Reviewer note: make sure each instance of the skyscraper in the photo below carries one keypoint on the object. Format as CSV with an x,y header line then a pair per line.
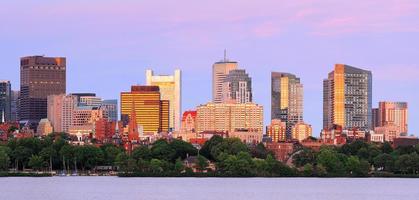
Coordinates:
x,y
111,109
237,87
39,77
347,97
151,113
170,89
219,72
286,99
5,101
14,106
393,113
60,111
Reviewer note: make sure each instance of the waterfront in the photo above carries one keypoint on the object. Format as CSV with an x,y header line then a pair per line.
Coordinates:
x,y
104,188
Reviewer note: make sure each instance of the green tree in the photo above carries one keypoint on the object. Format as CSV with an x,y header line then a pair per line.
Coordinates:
x,y
306,156
182,149
67,155
141,152
4,160
162,151
356,167
308,169
211,143
178,167
88,156
330,159
384,161
110,152
260,151
48,154
156,166
201,163
36,162
21,155
404,164
386,148
230,146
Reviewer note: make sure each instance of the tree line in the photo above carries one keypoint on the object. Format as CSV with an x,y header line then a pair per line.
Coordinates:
x,y
218,157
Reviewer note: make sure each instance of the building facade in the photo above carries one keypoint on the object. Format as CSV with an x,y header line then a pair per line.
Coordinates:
x,y
286,99
277,130
189,124
347,98
230,117
39,77
14,106
110,108
392,113
220,70
170,90
237,87
152,113
301,131
44,127
5,102
60,111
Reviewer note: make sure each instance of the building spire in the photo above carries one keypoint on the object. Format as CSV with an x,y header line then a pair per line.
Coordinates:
x,y
225,55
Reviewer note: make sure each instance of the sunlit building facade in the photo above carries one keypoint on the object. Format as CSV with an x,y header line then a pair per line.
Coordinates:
x,y
189,121
277,130
220,70
301,131
237,87
152,113
170,90
395,113
286,99
230,117
347,98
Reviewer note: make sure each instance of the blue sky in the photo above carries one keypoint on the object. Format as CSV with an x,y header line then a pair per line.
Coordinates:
x,y
109,44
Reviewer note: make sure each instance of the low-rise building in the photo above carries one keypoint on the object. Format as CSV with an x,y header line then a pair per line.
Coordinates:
x,y
301,131
44,127
282,150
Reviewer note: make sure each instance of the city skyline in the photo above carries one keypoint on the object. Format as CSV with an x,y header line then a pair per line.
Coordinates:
x,y
385,50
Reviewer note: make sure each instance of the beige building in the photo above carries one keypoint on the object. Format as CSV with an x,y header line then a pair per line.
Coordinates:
x,y
170,89
60,111
390,131
220,70
86,115
277,130
44,127
392,113
230,117
301,131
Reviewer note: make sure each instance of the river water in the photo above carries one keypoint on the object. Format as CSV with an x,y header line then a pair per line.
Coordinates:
x,y
114,188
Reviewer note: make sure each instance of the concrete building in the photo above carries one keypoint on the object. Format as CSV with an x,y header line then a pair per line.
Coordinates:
x,y
89,101
39,77
237,87
5,101
110,108
60,111
390,131
220,70
86,115
14,106
392,113
277,130
104,130
44,127
347,97
170,90
152,113
231,117
286,99
301,131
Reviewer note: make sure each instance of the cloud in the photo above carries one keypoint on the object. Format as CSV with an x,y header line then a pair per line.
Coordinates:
x,y
400,73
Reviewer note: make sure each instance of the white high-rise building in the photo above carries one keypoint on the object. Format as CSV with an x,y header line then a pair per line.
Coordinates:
x,y
170,89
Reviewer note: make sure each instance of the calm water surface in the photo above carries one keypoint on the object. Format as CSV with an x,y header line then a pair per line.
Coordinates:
x,y
107,188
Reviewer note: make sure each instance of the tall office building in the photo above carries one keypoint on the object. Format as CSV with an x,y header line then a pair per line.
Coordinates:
x,y
111,109
39,77
392,113
5,101
152,113
14,106
347,97
277,130
286,99
230,117
60,111
220,70
170,89
237,87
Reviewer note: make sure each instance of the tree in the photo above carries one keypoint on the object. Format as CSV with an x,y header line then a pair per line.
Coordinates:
x,y
67,155
156,166
384,161
141,152
182,149
386,148
178,167
201,163
21,155
356,167
4,160
88,156
308,169
162,151
110,152
36,162
260,151
47,154
404,164
306,156
207,147
330,159
230,146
